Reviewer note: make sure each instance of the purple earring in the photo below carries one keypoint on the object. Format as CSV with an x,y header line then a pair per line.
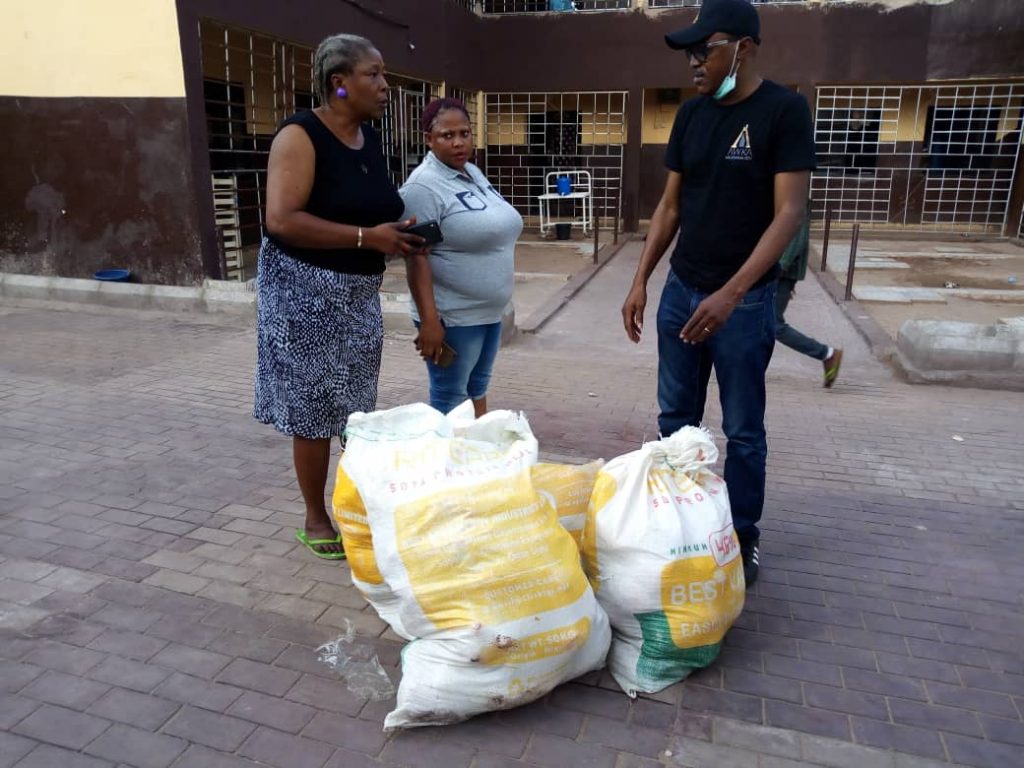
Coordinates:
x,y
342,93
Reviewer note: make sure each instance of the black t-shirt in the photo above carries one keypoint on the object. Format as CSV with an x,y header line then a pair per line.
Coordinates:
x,y
350,186
728,157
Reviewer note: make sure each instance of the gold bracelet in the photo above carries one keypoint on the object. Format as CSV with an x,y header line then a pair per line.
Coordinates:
x,y
359,237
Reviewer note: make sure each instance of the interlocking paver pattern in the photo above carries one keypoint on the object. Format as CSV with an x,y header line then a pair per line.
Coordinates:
x,y
155,609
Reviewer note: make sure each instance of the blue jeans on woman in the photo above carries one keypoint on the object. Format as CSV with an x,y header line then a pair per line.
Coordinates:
x,y
476,347
739,353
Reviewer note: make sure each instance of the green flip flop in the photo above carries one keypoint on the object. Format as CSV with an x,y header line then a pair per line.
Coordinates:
x,y
312,544
832,371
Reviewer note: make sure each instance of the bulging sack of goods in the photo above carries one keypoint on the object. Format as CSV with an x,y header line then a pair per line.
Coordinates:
x,y
567,487
663,558
350,515
473,564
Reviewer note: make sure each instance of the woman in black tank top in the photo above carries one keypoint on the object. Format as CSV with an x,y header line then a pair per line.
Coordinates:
x,y
331,218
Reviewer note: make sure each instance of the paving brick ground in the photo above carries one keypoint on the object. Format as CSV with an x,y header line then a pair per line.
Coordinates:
x,y
156,611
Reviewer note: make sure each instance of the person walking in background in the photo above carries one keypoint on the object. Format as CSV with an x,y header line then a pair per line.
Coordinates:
x,y
332,215
794,268
739,160
461,288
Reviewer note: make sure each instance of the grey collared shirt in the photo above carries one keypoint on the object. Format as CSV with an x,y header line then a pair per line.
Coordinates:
x,y
474,268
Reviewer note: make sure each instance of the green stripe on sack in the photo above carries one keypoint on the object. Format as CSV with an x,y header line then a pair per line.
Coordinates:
x,y
661,661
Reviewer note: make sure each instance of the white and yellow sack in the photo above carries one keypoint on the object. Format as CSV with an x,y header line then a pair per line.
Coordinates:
x,y
350,516
567,487
663,558
480,573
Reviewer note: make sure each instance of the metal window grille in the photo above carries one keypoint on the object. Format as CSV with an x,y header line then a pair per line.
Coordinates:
x,y
530,134
541,6
401,135
251,83
938,157
470,99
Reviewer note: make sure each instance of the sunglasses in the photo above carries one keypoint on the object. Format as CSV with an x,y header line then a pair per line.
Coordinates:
x,y
700,51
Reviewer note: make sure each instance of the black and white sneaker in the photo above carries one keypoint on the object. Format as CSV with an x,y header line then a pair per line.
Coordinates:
x,y
751,552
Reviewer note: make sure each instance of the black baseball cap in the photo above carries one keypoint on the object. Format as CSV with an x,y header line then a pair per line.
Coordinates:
x,y
730,17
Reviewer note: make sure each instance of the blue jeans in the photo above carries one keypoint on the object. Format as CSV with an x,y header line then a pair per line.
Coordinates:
x,y
476,347
739,352
787,334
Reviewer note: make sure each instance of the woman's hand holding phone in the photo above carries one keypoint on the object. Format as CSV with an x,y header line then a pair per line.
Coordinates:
x,y
430,231
393,238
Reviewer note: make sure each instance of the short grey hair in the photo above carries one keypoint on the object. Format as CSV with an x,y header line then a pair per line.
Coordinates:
x,y
337,55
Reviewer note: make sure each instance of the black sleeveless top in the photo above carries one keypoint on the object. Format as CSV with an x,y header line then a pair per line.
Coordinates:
x,y
350,186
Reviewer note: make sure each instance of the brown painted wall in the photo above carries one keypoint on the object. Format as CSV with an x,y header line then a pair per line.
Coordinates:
x,y
446,44
844,42
652,178
976,38
801,44
95,183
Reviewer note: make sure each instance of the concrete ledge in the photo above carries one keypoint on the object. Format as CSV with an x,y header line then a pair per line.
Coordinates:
x,y
229,296
211,296
878,339
962,354
224,296
395,307
898,295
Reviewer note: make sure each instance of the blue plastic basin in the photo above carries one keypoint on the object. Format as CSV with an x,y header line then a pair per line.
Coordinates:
x,y
113,275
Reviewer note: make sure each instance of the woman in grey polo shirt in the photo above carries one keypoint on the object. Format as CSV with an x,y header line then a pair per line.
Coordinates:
x,y
462,287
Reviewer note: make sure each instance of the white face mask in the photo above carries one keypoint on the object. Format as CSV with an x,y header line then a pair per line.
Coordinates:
x,y
729,83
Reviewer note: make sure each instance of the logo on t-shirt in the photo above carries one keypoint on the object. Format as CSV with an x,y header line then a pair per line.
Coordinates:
x,y
741,149
471,201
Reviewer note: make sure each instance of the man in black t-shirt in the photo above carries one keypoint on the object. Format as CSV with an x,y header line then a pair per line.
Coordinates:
x,y
739,161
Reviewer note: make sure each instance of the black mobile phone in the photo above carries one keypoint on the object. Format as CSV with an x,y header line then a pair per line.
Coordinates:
x,y
430,231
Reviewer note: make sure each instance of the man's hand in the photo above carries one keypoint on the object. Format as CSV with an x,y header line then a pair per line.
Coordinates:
x,y
711,315
633,312
429,339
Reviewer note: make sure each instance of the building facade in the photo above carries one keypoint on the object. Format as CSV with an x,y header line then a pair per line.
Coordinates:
x,y
137,133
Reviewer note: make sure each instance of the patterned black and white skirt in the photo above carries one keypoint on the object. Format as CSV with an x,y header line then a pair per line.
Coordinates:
x,y
319,339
